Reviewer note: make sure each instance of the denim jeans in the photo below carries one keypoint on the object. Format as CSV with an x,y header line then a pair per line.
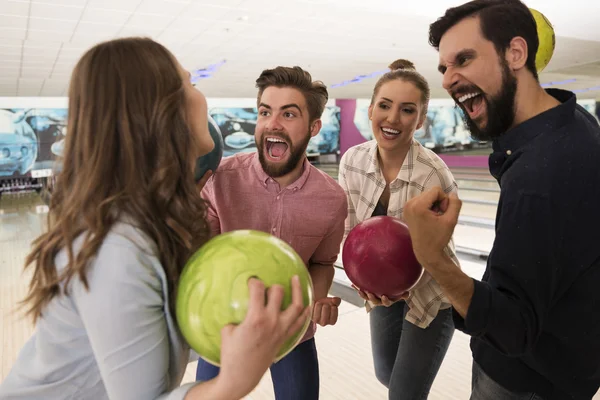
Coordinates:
x,y
407,358
295,377
485,388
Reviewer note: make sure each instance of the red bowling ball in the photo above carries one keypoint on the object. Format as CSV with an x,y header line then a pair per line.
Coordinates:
x,y
378,257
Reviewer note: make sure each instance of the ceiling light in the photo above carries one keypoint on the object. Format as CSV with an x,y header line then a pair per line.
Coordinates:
x,y
359,78
547,84
590,89
205,73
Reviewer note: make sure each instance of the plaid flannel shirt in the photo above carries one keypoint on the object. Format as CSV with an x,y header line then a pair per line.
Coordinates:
x,y
362,180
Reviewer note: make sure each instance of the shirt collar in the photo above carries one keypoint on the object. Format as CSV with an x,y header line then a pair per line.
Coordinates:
x,y
265,179
405,171
518,137
549,120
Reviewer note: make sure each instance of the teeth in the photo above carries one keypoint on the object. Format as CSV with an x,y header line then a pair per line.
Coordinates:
x,y
390,131
465,97
273,140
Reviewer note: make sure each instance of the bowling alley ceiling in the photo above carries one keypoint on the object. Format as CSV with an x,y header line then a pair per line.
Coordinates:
x,y
344,43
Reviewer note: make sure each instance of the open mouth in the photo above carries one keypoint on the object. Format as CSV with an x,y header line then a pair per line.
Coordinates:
x,y
473,103
276,148
389,133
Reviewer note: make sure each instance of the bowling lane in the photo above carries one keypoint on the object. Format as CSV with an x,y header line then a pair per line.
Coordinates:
x,y
470,194
470,238
480,185
22,218
486,211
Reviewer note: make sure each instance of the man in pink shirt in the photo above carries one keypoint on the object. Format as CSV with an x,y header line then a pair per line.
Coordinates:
x,y
277,190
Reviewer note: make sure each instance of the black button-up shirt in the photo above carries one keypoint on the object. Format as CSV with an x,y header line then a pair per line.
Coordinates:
x,y
535,316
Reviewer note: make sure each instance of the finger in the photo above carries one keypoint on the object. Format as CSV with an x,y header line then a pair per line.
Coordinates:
x,y
336,301
297,306
372,298
360,293
256,298
325,313
363,295
317,310
441,206
333,317
298,322
426,201
454,206
434,199
386,301
274,298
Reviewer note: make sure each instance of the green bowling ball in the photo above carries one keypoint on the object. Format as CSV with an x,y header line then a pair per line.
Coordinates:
x,y
213,287
546,38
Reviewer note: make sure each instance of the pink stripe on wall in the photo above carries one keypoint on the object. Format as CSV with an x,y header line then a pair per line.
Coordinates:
x,y
349,134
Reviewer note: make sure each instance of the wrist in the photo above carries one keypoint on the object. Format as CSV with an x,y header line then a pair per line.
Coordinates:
x,y
434,261
322,278
217,388
227,389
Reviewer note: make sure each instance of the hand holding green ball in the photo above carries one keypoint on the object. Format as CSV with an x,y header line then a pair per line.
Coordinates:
x,y
214,292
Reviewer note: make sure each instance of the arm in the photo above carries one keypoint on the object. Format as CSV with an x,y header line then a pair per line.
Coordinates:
x,y
322,277
455,284
208,194
123,316
321,263
507,310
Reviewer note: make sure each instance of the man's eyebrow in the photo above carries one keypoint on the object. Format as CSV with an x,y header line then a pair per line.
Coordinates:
x,y
461,54
292,105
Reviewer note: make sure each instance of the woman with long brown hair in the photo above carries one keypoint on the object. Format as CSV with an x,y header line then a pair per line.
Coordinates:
x,y
125,216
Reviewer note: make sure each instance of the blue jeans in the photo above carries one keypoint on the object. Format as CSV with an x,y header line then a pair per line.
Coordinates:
x,y
485,388
407,358
295,377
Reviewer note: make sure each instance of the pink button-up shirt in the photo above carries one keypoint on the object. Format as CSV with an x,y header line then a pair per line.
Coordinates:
x,y
308,214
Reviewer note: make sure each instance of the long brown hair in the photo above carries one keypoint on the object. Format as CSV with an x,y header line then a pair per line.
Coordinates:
x,y
128,152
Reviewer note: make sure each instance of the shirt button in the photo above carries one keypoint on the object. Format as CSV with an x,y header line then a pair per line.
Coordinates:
x,y
508,152
277,197
274,229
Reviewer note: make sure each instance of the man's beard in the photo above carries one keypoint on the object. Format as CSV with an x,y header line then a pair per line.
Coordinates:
x,y
296,153
500,109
